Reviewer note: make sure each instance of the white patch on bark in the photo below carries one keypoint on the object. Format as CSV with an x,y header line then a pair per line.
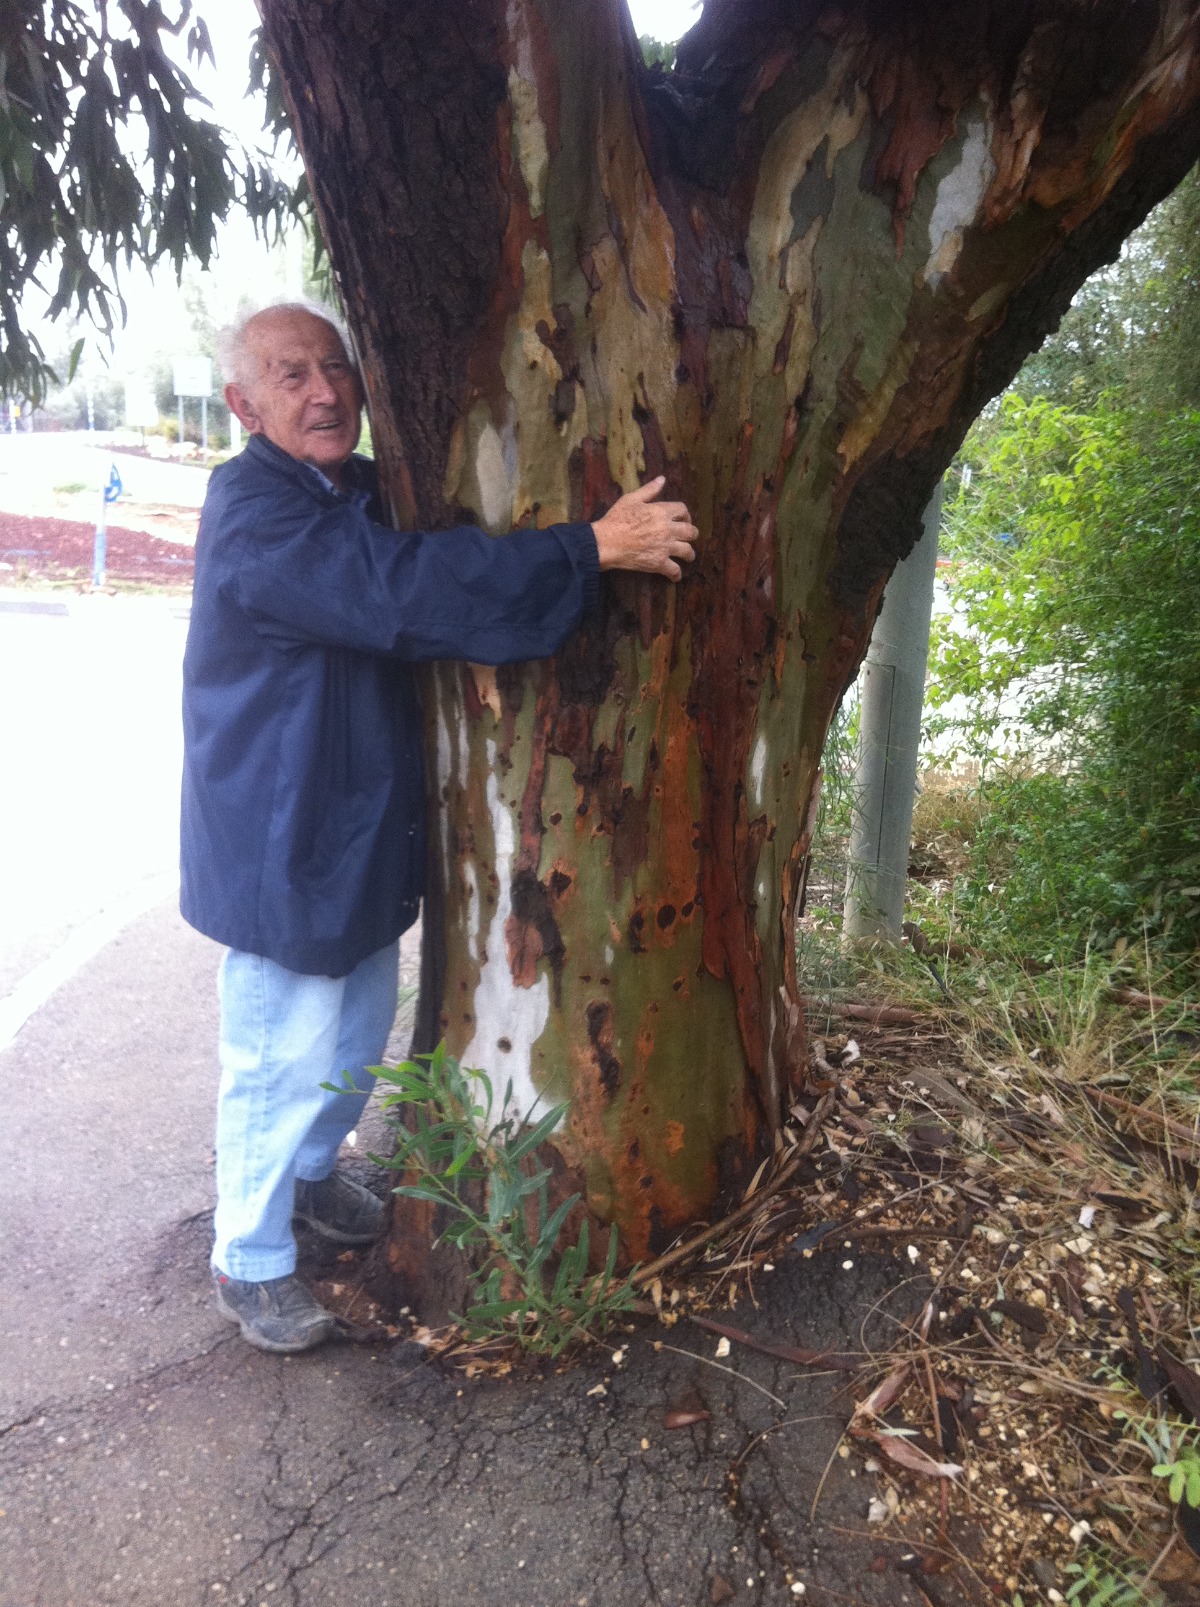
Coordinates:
x,y
491,473
472,910
445,751
758,769
529,137
464,751
445,769
956,205
502,1010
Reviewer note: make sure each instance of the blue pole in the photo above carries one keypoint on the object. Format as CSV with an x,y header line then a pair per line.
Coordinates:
x,y
111,491
100,548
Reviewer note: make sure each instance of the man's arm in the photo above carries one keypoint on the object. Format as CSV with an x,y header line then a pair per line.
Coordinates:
x,y
328,574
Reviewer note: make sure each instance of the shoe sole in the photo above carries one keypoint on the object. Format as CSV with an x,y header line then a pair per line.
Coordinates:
x,y
274,1346
336,1235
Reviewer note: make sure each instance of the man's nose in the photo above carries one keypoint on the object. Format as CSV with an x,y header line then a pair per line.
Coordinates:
x,y
321,389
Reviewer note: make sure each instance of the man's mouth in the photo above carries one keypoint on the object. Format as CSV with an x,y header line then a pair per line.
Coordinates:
x,y
329,424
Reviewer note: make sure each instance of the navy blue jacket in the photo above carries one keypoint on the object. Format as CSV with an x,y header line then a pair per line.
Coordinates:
x,y
303,829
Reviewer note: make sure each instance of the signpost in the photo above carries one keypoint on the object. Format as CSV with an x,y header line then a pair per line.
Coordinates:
x,y
111,491
193,377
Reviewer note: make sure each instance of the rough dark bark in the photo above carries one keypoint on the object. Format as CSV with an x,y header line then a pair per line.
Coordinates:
x,y
787,276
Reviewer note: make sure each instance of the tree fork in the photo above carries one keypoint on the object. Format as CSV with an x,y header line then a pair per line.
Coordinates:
x,y
787,276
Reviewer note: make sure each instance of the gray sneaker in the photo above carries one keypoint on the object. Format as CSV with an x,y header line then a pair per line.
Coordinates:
x,y
278,1314
339,1210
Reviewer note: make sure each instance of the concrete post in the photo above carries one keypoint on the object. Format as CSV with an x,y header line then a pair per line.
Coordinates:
x,y
893,691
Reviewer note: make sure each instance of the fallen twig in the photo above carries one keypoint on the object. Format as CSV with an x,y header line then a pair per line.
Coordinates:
x,y
876,1015
721,1368
1176,1129
792,1353
1137,1000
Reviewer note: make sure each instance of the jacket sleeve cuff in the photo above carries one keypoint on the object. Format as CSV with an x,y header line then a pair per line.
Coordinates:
x,y
580,540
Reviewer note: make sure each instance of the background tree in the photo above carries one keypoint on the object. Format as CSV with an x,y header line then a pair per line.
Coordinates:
x,y
1133,331
786,274
1070,672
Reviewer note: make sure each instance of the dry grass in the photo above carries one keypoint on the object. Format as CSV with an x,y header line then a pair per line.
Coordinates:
x,y
1033,1154
946,820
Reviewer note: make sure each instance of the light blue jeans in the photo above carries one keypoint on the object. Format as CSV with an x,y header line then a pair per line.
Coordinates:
x,y
282,1036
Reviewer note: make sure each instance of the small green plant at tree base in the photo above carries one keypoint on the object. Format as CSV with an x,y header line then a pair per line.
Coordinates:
x,y
495,1193
1184,1475
1178,1453
1176,1448
1097,1586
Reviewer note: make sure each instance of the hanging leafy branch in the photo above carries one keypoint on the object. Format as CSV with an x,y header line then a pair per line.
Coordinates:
x,y
107,157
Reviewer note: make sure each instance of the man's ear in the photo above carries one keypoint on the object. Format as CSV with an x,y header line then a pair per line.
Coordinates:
x,y
241,406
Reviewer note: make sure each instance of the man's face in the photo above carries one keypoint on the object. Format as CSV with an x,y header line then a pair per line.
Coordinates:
x,y
304,396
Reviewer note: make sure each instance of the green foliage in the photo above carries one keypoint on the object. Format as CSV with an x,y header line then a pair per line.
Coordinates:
x,y
1176,1448
1134,327
1184,1476
495,1193
1094,1585
656,53
106,156
1077,578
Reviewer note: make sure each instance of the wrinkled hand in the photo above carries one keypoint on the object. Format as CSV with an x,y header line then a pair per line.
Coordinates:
x,y
639,533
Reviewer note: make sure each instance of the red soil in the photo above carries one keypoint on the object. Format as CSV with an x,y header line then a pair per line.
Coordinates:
x,y
61,549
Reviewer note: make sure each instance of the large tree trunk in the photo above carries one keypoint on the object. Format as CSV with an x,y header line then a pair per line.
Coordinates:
x,y
788,276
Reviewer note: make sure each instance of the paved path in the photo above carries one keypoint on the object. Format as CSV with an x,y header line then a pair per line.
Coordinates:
x,y
90,749
58,474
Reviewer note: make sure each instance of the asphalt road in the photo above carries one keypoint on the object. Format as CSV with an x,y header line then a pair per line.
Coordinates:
x,y
90,748
148,1458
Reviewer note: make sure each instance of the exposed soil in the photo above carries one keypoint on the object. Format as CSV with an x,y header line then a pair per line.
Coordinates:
x,y
61,550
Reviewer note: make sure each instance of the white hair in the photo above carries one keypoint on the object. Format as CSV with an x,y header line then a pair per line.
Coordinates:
x,y
234,352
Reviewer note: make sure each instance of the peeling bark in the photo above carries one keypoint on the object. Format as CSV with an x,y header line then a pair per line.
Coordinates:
x,y
787,276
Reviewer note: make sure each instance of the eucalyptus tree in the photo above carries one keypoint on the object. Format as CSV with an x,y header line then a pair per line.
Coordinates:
x,y
786,273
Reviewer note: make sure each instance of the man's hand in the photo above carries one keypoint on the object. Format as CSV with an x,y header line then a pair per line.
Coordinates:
x,y
639,533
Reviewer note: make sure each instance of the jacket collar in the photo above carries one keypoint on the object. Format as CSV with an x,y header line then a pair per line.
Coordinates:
x,y
360,475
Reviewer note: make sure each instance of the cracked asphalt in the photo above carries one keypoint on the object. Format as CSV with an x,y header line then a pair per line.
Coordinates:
x,y
148,1458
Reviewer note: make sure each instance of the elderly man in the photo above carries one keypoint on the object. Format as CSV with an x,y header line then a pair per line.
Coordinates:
x,y
303,798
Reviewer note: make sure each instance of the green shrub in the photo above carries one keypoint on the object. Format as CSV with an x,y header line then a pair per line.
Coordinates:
x,y
1076,548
